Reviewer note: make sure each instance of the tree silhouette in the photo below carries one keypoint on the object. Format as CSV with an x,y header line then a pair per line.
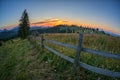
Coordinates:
x,y
24,26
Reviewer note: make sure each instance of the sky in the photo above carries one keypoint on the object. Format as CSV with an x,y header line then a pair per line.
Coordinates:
x,y
103,14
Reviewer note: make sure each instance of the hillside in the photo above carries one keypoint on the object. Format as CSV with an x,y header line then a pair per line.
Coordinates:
x,y
22,60
8,34
12,33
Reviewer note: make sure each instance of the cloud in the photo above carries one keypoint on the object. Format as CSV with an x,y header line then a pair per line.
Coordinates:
x,y
51,21
55,20
42,22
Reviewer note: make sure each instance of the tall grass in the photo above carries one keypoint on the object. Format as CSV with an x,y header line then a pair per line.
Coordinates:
x,y
13,62
25,60
93,41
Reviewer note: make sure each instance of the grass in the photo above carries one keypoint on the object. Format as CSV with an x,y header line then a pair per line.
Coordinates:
x,y
93,41
24,60
17,57
13,52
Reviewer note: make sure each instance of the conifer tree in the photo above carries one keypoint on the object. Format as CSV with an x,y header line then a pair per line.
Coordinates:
x,y
24,26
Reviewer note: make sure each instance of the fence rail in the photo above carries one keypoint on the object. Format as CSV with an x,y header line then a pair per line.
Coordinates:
x,y
90,51
76,61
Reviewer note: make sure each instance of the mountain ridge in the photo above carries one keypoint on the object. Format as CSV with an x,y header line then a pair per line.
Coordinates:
x,y
11,33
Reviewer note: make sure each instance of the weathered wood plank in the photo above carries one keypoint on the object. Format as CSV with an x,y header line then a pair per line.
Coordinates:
x,y
78,51
101,53
60,54
42,41
90,51
86,66
62,44
100,70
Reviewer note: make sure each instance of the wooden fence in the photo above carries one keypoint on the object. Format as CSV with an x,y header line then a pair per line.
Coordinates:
x,y
78,49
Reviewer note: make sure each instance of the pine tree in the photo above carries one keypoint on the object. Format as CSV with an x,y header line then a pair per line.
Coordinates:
x,y
24,26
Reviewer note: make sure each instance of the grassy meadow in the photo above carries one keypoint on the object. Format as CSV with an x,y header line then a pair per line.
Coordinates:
x,y
93,41
26,60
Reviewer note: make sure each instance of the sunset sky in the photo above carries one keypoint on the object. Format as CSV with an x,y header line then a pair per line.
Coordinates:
x,y
103,14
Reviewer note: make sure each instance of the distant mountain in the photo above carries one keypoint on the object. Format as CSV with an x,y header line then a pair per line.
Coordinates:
x,y
0,30
6,34
112,34
13,32
15,28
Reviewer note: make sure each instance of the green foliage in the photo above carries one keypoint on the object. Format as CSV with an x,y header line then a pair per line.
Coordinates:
x,y
70,29
24,26
24,60
92,41
12,59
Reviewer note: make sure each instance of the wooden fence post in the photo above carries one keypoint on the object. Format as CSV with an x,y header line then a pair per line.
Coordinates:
x,y
42,39
78,50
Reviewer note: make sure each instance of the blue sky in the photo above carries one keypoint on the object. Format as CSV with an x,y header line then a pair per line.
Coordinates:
x,y
105,13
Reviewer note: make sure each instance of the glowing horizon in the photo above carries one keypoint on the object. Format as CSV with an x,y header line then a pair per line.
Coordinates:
x,y
53,22
93,13
56,21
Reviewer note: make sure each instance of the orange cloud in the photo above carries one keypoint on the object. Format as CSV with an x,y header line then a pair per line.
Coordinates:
x,y
53,22
50,22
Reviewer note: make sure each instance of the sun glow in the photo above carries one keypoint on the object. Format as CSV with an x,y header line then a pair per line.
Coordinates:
x,y
53,22
56,21
50,22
